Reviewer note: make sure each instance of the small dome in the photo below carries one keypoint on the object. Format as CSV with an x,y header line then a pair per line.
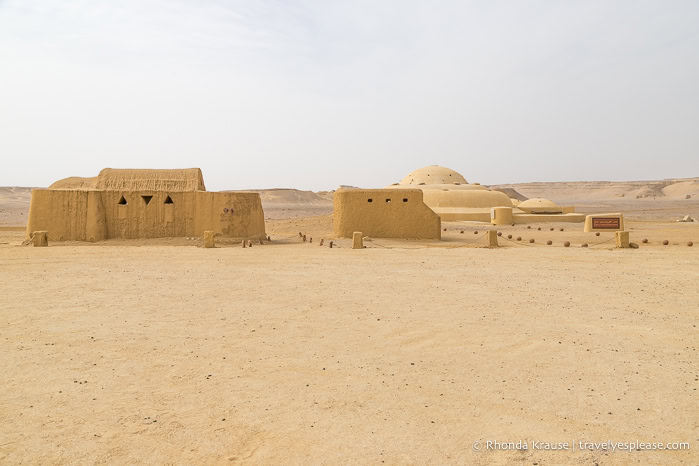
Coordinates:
x,y
434,174
539,205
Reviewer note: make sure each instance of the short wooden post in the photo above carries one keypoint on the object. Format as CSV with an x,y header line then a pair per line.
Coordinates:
x,y
622,239
40,239
357,241
492,238
209,239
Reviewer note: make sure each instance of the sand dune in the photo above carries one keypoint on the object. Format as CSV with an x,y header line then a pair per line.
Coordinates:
x,y
675,189
294,196
13,197
14,205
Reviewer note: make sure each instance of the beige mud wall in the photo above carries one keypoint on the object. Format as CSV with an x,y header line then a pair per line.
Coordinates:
x,y
384,213
67,215
234,215
97,215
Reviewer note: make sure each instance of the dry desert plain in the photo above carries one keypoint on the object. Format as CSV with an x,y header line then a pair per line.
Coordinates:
x,y
161,351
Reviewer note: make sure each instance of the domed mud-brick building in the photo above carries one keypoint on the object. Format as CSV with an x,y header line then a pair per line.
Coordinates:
x,y
453,198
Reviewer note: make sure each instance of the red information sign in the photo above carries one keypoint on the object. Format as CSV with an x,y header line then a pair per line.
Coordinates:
x,y
606,223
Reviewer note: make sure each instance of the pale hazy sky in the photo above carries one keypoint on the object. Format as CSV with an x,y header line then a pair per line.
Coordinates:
x,y
314,94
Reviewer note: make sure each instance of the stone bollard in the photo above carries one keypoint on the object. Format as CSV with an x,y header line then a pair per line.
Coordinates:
x,y
357,242
244,243
622,239
40,239
209,239
492,238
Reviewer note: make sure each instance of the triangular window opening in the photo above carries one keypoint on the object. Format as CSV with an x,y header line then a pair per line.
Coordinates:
x,y
147,199
122,201
168,200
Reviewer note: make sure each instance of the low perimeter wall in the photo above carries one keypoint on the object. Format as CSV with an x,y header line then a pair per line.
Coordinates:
x,y
384,213
79,215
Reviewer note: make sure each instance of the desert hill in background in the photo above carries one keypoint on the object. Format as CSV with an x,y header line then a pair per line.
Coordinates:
x,y
673,198
671,189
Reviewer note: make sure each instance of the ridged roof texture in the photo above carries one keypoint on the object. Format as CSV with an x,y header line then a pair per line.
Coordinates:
x,y
112,179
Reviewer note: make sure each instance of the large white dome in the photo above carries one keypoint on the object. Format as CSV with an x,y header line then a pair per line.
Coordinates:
x,y
434,174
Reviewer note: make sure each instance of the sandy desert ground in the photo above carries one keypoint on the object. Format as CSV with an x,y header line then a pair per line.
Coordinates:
x,y
161,351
